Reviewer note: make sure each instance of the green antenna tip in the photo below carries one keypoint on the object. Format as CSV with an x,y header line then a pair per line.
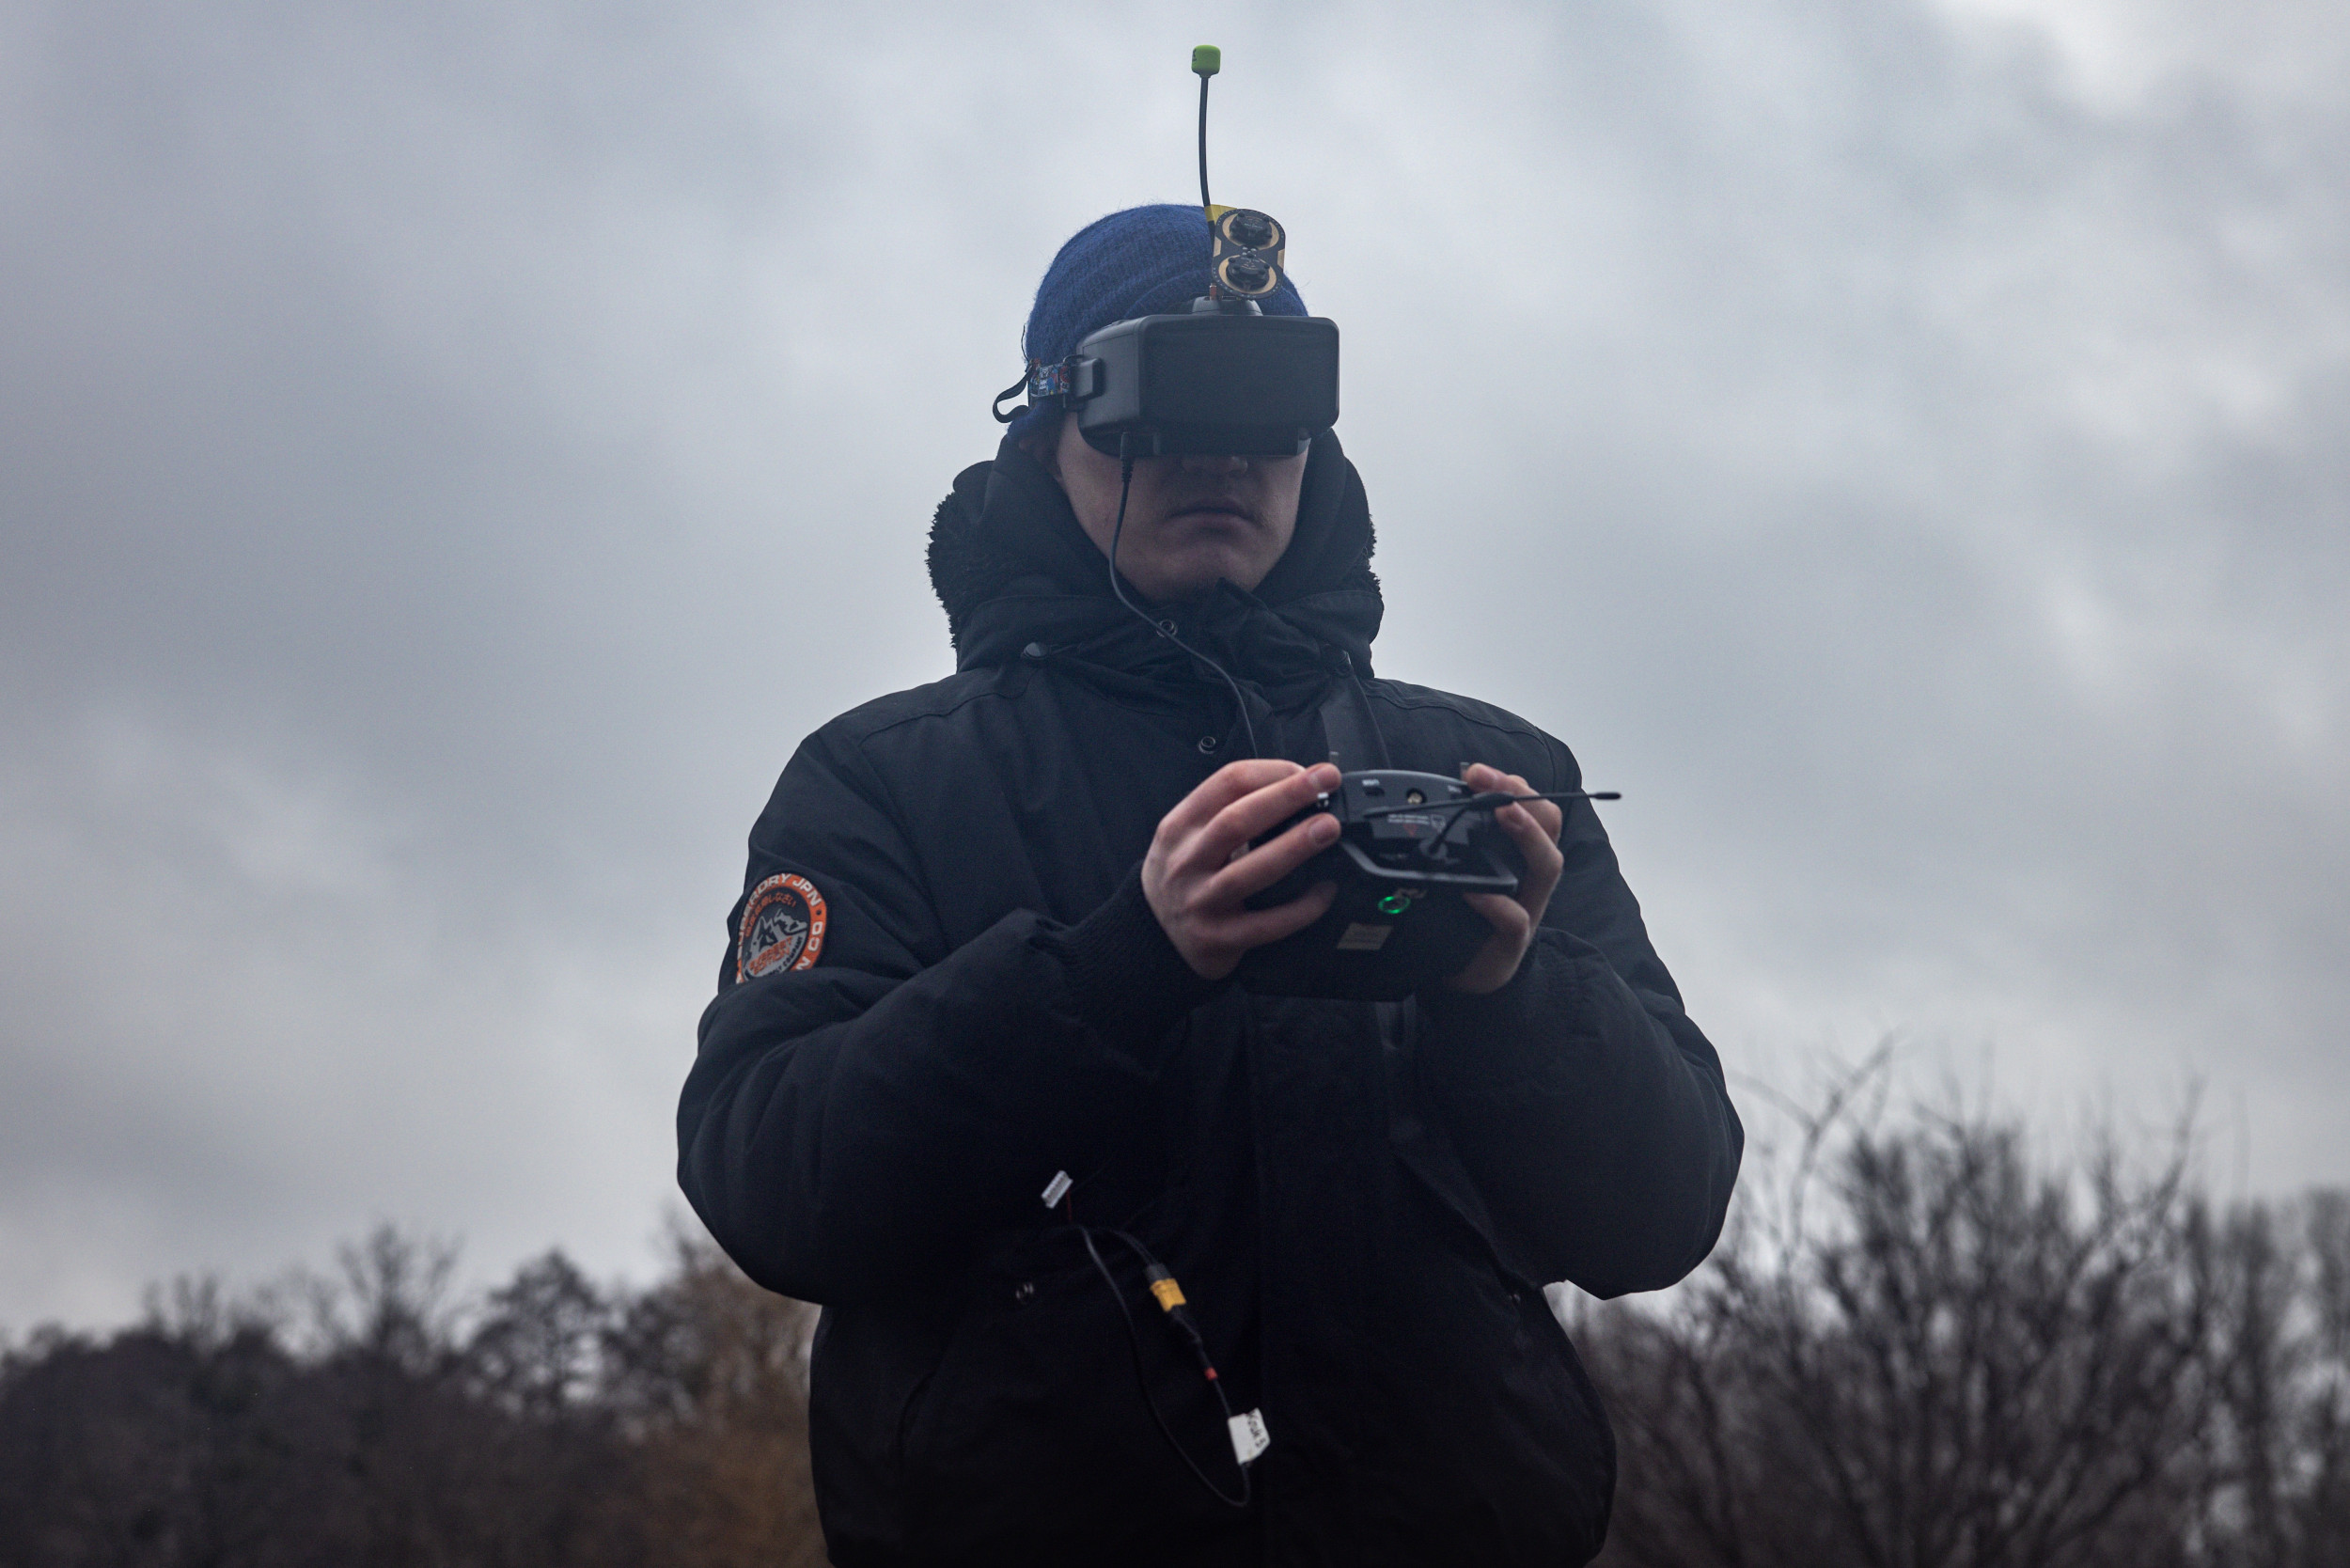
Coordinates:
x,y
1207,59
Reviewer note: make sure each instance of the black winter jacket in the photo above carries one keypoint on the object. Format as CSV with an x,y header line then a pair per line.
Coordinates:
x,y
948,987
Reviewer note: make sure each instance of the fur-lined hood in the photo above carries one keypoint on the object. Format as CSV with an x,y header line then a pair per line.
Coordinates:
x,y
1013,568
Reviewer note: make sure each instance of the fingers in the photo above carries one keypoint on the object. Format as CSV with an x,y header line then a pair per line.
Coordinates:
x,y
1498,959
1198,879
1539,846
1477,775
1268,863
1510,919
1238,821
1260,926
1228,784
1533,826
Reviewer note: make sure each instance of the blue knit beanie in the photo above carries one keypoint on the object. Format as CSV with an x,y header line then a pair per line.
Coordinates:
x,y
1143,262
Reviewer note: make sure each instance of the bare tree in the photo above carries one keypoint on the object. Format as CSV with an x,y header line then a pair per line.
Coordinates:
x,y
1965,1363
2279,1428
710,1375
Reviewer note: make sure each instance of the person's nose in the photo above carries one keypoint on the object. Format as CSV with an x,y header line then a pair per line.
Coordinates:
x,y
1215,462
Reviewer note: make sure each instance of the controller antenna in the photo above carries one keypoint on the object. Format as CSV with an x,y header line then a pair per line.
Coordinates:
x,y
1206,60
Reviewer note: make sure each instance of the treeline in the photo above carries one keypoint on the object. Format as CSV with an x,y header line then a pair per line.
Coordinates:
x,y
369,1419
1920,1348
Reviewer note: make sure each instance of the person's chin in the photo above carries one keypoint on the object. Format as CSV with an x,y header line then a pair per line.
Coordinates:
x,y
1230,543
1195,571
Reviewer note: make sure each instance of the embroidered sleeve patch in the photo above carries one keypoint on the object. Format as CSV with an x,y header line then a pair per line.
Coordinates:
x,y
783,927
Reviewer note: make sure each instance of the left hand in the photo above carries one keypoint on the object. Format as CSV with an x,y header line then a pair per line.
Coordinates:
x,y
1533,826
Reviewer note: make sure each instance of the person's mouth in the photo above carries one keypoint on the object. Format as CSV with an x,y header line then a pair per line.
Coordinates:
x,y
1219,506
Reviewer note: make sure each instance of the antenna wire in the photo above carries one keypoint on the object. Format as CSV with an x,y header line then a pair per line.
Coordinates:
x,y
1204,204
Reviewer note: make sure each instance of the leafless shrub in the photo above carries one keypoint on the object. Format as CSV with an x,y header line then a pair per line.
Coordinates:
x,y
1922,1350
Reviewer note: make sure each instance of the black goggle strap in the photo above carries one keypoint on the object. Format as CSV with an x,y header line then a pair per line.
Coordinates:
x,y
996,408
1040,382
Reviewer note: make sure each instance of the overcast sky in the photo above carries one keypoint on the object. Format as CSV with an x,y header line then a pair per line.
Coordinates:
x,y
450,455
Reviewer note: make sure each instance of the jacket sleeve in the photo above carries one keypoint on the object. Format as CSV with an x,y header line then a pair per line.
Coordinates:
x,y
861,1121
1590,1112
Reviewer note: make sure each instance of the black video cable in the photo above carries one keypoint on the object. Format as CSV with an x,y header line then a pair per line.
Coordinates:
x,y
1163,626
1169,1296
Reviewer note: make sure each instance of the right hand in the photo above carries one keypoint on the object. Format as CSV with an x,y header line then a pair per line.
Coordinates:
x,y
1198,879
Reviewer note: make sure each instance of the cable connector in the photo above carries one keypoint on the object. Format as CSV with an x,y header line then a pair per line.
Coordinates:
x,y
1163,1286
1246,1431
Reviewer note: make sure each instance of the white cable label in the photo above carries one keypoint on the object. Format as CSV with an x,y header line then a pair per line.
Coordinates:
x,y
1057,1188
1250,1437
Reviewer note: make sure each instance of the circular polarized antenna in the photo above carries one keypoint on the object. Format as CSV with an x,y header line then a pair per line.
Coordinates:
x,y
1250,230
1247,275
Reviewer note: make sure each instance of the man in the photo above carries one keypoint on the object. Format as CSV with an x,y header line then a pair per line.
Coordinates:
x,y
987,944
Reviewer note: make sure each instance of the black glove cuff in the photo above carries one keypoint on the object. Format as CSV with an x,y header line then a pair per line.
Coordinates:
x,y
1125,978
1511,1004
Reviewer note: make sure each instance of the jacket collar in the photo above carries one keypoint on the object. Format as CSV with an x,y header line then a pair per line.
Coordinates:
x,y
1012,567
